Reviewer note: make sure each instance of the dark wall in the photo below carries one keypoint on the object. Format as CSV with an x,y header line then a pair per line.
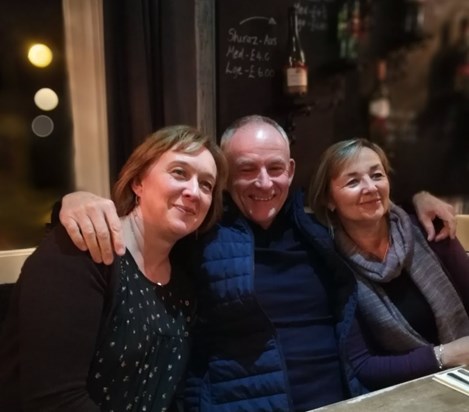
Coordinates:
x,y
251,50
428,134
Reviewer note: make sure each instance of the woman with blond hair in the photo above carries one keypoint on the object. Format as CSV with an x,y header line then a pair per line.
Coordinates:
x,y
413,297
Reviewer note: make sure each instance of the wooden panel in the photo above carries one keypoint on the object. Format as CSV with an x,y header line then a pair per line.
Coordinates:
x,y
462,230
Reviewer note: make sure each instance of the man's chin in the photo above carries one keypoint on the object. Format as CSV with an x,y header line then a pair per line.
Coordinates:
x,y
263,217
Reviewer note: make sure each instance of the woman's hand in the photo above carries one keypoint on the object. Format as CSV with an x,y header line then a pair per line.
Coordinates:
x,y
456,353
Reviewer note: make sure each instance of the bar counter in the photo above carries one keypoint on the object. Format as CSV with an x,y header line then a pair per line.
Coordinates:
x,y
419,395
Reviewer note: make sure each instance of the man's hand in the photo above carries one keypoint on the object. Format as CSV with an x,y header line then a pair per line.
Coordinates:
x,y
428,207
92,224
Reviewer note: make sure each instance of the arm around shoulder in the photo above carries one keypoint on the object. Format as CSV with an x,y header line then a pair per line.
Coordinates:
x,y
93,224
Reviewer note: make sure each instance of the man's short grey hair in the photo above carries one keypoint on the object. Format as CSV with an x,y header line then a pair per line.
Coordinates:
x,y
251,119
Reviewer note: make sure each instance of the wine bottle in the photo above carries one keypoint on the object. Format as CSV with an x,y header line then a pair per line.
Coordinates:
x,y
349,29
355,29
461,76
342,31
379,108
295,70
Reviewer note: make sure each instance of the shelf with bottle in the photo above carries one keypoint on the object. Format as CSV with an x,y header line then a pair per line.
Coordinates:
x,y
300,97
380,108
295,76
353,21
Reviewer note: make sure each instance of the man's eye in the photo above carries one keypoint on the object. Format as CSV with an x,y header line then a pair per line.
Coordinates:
x,y
246,169
276,170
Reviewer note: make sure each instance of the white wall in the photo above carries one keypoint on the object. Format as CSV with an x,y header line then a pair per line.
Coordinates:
x,y
11,262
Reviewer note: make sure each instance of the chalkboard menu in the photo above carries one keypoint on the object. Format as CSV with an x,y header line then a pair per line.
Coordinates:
x,y
251,42
314,16
249,59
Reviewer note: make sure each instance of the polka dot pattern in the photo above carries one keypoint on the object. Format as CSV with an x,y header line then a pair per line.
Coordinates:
x,y
145,348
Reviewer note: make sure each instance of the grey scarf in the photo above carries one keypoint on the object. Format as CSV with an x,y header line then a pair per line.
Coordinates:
x,y
408,251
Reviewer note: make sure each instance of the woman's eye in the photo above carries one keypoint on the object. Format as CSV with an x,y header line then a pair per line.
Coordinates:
x,y
179,172
206,186
352,183
377,175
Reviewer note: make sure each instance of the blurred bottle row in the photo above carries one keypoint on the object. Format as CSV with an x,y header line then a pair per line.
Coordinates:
x,y
380,102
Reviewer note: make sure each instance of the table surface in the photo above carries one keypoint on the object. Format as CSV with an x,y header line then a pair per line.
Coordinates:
x,y
423,394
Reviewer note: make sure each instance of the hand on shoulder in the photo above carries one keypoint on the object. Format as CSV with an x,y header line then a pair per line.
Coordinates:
x,y
93,224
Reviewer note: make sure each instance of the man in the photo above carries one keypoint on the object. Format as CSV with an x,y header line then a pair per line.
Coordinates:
x,y
276,303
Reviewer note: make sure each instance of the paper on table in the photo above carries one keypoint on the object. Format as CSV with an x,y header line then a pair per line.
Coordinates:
x,y
457,379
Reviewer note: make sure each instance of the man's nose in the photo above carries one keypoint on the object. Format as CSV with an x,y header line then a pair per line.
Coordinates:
x,y
263,180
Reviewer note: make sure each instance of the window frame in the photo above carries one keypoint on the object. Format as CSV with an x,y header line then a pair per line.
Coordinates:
x,y
83,28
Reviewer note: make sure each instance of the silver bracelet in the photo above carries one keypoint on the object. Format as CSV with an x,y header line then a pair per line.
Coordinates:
x,y
439,355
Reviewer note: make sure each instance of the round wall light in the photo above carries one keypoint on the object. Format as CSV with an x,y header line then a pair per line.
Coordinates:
x,y
46,99
42,126
40,55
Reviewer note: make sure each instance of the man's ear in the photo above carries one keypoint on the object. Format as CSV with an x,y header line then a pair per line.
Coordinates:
x,y
291,170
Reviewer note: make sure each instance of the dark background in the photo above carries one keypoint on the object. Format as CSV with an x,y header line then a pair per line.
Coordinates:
x,y
151,61
429,124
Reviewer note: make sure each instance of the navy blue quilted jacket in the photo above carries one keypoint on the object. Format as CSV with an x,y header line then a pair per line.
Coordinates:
x,y
237,364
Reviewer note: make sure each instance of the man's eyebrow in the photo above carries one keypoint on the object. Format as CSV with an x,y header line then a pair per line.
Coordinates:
x,y
240,161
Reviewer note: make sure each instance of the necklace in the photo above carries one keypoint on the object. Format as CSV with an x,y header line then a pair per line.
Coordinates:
x,y
133,221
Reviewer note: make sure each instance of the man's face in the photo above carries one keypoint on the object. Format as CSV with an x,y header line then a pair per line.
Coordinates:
x,y
261,171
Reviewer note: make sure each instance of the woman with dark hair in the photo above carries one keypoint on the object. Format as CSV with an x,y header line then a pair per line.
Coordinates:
x,y
82,336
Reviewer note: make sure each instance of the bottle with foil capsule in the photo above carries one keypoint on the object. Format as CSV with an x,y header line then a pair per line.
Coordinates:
x,y
295,72
379,107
